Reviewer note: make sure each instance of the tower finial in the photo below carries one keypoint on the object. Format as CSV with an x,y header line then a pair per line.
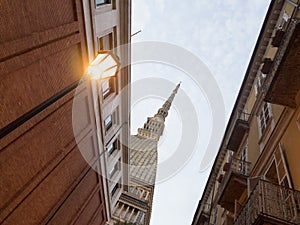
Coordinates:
x,y
154,126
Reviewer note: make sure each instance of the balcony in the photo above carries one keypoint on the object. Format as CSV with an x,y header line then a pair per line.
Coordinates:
x,y
270,204
234,183
241,127
283,80
205,214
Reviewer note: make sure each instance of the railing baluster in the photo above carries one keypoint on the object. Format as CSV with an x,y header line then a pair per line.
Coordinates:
x,y
272,200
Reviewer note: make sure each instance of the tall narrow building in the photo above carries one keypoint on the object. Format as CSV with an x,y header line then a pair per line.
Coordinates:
x,y
136,204
255,177
58,132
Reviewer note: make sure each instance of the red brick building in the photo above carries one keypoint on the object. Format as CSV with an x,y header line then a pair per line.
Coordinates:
x,y
45,47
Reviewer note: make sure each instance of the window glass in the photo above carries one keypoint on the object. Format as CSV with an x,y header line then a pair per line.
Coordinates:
x,y
108,122
114,190
114,170
106,88
264,117
106,42
112,147
101,2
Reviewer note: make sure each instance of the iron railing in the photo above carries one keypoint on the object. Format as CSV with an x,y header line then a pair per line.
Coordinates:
x,y
239,166
206,208
273,202
280,54
244,116
234,166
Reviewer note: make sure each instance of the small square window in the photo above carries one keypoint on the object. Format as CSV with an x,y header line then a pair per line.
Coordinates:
x,y
114,170
108,122
101,2
116,187
107,87
264,117
112,147
106,42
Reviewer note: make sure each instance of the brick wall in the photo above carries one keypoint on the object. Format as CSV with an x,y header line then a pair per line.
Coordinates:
x,y
43,176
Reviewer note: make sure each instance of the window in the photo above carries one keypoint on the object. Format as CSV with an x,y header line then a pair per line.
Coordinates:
x,y
101,2
278,171
243,162
112,119
108,122
106,42
259,82
116,187
264,117
114,170
107,87
112,147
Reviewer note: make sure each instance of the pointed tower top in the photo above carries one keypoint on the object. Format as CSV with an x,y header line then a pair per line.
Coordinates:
x,y
154,126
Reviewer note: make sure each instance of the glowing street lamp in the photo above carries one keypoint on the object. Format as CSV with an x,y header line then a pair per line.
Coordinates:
x,y
105,65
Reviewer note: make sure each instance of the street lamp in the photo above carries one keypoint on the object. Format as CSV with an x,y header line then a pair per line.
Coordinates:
x,y
105,65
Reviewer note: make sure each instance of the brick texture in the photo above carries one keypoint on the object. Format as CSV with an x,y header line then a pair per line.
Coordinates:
x,y
43,176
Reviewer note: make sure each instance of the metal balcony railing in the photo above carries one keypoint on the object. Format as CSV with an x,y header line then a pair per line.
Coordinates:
x,y
206,208
272,202
240,128
267,88
244,116
236,166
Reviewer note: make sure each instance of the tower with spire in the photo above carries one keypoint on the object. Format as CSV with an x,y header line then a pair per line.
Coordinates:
x,y
136,204
154,127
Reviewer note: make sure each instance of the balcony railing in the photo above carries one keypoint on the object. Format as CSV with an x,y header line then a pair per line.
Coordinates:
x,y
237,166
278,88
233,183
271,203
244,116
240,128
205,214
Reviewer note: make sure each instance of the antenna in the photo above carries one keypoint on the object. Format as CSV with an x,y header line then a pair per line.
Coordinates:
x,y
136,33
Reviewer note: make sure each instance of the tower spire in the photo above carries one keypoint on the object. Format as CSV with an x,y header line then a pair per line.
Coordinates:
x,y
154,126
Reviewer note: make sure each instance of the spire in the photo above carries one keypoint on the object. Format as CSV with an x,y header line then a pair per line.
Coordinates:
x,y
154,126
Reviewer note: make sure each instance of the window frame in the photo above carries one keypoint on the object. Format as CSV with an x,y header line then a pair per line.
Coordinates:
x,y
105,2
264,117
114,146
244,158
111,87
102,41
108,125
115,188
259,82
114,170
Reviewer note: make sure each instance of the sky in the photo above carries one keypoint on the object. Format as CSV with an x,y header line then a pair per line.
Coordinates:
x,y
222,35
